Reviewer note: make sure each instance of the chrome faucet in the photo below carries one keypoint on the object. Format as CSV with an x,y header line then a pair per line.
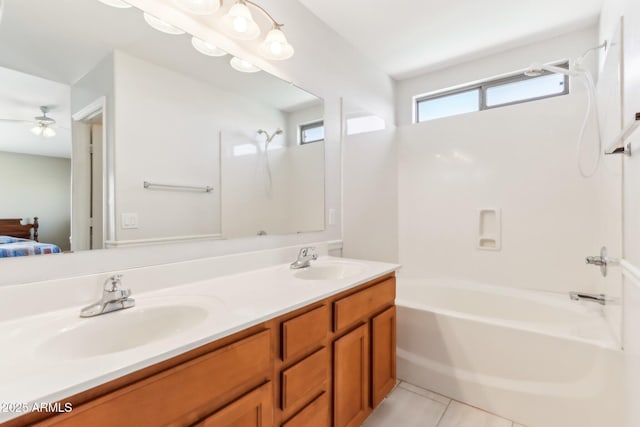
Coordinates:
x,y
603,261
305,256
599,298
113,298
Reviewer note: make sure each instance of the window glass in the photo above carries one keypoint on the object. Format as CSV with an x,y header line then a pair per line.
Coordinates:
x,y
312,132
448,105
521,90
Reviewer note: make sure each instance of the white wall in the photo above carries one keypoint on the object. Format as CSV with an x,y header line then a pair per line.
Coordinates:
x,y
168,132
40,187
520,159
611,12
325,65
370,168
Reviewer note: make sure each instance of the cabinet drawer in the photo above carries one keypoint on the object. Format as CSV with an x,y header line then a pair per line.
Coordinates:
x,y
348,310
183,394
305,379
305,332
315,414
255,409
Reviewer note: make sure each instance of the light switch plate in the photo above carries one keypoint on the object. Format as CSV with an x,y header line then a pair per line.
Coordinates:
x,y
129,221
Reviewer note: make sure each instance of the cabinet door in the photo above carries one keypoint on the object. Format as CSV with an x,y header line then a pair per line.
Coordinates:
x,y
383,355
351,378
254,409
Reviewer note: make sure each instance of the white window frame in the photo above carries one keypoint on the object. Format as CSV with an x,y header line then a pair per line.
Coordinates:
x,y
483,86
309,125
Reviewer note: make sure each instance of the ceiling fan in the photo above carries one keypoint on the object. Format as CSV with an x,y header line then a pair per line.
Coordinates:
x,y
42,125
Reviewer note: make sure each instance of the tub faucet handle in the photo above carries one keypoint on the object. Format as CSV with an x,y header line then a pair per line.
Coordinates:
x,y
603,261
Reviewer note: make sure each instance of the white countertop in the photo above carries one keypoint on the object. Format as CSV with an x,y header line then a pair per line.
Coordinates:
x,y
31,373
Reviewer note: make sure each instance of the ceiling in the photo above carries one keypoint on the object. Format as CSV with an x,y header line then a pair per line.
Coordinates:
x,y
62,40
21,96
408,37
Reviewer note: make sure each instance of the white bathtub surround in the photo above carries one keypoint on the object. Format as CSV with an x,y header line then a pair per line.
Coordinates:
x,y
511,352
41,368
632,341
520,159
411,406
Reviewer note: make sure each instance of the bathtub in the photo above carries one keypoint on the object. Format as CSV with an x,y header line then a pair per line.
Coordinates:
x,y
534,357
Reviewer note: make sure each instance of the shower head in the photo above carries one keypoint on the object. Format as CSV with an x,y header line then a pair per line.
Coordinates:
x,y
269,137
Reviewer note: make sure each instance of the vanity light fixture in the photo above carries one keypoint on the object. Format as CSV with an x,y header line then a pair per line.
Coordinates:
x,y
238,22
243,65
162,26
199,7
206,48
116,3
275,45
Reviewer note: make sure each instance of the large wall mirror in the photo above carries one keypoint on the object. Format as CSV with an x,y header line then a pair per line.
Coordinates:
x,y
114,134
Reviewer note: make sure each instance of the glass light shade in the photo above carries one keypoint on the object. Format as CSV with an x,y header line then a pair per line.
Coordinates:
x,y
243,66
239,23
116,3
37,130
206,48
48,132
162,26
275,46
199,7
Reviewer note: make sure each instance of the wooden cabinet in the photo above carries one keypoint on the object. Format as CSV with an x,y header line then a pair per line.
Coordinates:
x,y
383,355
255,409
183,394
326,364
364,369
351,378
316,414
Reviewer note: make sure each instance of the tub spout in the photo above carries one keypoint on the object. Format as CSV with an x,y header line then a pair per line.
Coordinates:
x,y
599,298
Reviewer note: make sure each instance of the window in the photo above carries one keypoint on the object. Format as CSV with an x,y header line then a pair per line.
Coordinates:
x,y
312,132
491,94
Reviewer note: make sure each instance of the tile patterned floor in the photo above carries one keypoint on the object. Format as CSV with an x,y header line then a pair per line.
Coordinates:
x,y
411,406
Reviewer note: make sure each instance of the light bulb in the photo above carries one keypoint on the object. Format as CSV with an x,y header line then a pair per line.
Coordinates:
x,y
239,23
116,3
48,132
275,45
199,7
162,26
37,130
206,48
243,65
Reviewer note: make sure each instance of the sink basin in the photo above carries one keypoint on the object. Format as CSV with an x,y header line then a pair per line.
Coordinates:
x,y
333,270
121,330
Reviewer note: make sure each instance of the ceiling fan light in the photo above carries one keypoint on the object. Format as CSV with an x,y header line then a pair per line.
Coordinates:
x,y
239,23
48,132
37,129
162,26
116,3
243,65
199,7
207,48
275,46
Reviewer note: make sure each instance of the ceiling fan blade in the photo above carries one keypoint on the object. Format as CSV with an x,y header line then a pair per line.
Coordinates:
x,y
28,122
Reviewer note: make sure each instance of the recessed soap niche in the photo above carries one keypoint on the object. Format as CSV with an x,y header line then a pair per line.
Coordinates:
x,y
489,229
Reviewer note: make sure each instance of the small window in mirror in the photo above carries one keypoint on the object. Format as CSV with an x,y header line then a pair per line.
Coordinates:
x,y
312,132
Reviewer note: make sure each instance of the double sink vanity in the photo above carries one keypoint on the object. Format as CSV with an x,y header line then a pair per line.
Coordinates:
x,y
275,346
